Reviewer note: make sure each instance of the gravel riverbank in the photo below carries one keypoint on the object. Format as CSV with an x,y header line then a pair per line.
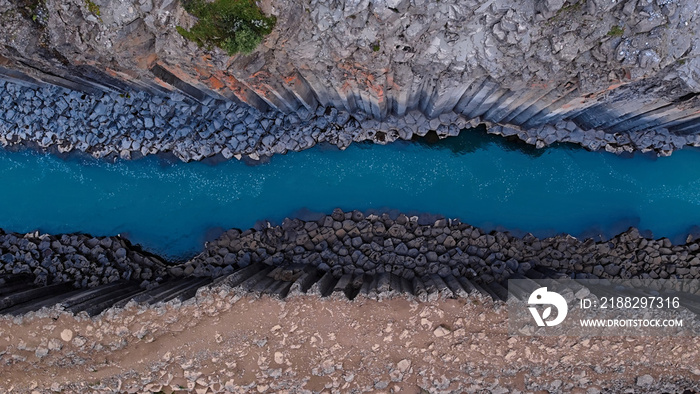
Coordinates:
x,y
220,342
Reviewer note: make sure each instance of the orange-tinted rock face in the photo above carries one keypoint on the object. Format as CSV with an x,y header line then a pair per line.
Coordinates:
x,y
508,63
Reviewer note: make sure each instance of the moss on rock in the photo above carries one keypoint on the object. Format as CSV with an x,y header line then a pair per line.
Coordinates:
x,y
232,25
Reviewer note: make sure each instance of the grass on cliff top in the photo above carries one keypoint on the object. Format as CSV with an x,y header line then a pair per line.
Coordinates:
x,y
232,25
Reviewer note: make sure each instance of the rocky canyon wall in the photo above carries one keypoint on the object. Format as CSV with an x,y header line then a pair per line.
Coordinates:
x,y
614,75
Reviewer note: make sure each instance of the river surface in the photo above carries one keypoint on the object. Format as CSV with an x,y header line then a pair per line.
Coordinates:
x,y
171,208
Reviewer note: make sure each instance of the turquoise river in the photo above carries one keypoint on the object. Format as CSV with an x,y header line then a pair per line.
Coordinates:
x,y
171,208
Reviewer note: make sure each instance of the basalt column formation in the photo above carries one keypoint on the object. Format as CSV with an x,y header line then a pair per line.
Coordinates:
x,y
619,76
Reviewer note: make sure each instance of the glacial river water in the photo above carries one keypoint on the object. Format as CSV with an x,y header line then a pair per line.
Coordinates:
x,y
170,208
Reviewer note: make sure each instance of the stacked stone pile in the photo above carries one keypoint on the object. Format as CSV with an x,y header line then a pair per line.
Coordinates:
x,y
658,140
138,124
80,259
350,242
353,243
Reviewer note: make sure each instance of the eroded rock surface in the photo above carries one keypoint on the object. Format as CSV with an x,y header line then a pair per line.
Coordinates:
x,y
614,75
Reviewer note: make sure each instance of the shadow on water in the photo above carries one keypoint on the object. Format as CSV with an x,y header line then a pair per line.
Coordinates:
x,y
468,141
477,138
474,139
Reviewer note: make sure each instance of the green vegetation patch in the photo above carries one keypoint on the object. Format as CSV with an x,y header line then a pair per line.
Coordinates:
x,y
92,7
232,25
616,31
